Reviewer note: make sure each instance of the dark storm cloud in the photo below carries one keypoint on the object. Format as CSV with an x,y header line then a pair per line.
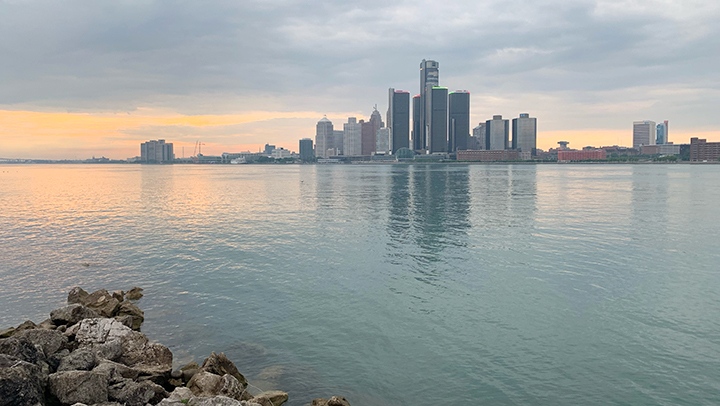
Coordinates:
x,y
200,57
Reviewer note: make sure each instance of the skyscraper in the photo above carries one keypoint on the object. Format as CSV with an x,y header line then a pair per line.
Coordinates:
x,y
339,137
497,133
156,151
643,133
306,150
383,141
662,133
524,134
324,138
429,78
438,119
417,130
352,137
479,135
458,120
399,119
369,132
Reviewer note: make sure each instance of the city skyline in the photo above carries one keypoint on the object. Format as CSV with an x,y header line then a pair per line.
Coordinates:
x,y
114,75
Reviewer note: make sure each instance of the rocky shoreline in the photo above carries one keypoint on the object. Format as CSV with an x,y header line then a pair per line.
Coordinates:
x,y
91,352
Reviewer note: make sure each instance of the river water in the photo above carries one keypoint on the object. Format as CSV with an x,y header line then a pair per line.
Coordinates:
x,y
393,284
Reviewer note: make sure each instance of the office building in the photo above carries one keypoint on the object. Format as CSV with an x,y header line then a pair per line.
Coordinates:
x,y
701,150
306,150
324,138
156,152
352,137
661,133
497,133
339,137
643,133
524,134
417,130
587,154
438,120
382,145
398,119
268,150
488,156
429,78
458,120
479,135
369,132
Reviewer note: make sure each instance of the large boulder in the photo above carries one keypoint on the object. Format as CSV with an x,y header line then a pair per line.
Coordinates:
x,y
77,295
50,341
208,384
7,332
134,294
102,302
217,401
99,331
26,325
270,398
22,349
72,387
71,314
136,315
131,393
147,357
21,383
115,372
82,359
333,401
219,364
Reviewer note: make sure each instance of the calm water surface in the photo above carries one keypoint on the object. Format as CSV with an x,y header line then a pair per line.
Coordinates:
x,y
413,285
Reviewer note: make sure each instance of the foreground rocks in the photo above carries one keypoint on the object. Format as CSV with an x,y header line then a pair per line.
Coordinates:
x,y
91,352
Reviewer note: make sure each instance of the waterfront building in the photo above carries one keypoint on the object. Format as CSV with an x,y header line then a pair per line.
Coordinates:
x,y
661,133
524,138
643,133
474,142
369,132
438,120
497,133
660,149
339,137
479,135
156,152
701,150
587,154
268,149
458,120
429,78
352,137
488,156
417,130
382,145
398,119
306,150
324,138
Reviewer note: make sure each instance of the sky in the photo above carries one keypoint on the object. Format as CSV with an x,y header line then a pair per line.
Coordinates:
x,y
93,78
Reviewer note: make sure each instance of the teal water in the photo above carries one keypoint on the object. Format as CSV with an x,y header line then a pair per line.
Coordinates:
x,y
394,284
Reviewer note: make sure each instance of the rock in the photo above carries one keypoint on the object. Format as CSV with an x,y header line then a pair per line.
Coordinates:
x,y
26,325
8,332
21,383
79,387
72,314
125,320
205,384
137,316
50,341
131,393
180,394
214,401
270,398
189,370
231,387
55,359
147,357
115,372
103,303
175,382
82,359
134,293
99,331
21,348
333,401
77,295
47,325
176,374
119,295
219,364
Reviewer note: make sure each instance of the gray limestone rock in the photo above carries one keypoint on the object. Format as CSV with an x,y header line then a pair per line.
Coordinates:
x,y
136,315
99,331
270,398
47,325
55,359
219,364
72,314
131,393
7,332
115,372
79,386
103,303
77,295
119,295
134,293
50,341
145,356
21,348
82,359
26,325
205,384
215,401
21,383
333,401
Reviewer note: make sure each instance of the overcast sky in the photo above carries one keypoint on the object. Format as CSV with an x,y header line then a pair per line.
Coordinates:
x,y
81,78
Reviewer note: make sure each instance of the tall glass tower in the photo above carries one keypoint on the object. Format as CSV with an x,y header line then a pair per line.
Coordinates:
x,y
429,78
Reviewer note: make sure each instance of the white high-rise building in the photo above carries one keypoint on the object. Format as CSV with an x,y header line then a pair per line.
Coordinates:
x,y
497,133
643,133
524,130
352,137
324,139
382,145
